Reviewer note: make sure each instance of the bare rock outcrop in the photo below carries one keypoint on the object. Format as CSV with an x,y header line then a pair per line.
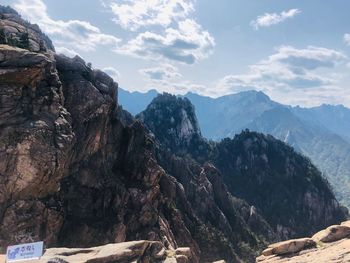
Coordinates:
x,y
76,171
289,246
17,32
126,252
133,251
338,251
36,139
332,233
329,245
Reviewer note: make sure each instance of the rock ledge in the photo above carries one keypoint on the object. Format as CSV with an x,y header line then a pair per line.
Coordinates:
x,y
329,245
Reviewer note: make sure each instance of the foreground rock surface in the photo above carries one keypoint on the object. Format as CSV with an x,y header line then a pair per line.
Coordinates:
x,y
289,246
329,245
332,252
332,233
77,171
134,251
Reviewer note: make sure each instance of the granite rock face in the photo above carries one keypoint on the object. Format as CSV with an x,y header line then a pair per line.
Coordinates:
x,y
332,233
78,171
289,246
71,173
36,139
17,32
74,174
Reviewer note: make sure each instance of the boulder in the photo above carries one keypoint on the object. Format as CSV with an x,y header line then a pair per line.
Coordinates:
x,y
143,251
289,246
332,233
329,252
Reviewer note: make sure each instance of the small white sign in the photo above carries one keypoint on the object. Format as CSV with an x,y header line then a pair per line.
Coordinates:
x,y
24,252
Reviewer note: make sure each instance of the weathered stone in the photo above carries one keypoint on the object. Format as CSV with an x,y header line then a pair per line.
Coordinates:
x,y
73,173
289,246
120,252
35,143
332,233
338,251
268,251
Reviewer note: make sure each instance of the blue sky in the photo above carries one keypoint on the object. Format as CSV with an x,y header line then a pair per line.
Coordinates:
x,y
295,51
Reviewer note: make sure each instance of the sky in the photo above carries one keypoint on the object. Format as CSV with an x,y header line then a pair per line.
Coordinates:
x,y
296,51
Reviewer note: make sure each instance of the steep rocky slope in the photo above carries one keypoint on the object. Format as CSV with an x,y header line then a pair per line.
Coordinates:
x,y
283,186
71,173
78,171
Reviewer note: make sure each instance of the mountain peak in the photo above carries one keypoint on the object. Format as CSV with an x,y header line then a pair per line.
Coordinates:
x,y
172,118
256,95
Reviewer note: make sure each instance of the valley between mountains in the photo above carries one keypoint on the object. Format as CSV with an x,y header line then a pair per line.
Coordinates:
x,y
320,133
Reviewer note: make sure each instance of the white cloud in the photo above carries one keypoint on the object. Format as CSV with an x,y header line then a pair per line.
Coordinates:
x,y
288,69
164,30
112,72
290,75
347,39
166,78
71,35
133,14
164,72
187,44
269,19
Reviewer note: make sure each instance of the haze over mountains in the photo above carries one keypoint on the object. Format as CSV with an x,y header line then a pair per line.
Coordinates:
x,y
321,133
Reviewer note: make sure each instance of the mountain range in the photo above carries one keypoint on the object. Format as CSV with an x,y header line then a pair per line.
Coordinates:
x,y
78,171
321,133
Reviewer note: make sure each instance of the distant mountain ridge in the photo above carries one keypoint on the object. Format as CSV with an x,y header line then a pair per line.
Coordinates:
x,y
335,117
270,175
79,171
135,102
321,133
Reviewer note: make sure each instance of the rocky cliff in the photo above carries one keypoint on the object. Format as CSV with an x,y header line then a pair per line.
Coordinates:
x,y
78,171
71,173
